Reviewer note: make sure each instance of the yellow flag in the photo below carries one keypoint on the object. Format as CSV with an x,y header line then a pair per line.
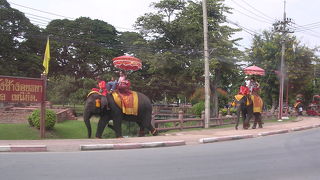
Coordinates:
x,y
46,58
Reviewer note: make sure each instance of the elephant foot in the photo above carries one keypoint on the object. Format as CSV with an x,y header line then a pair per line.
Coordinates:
x,y
254,126
141,134
260,126
155,132
236,127
246,127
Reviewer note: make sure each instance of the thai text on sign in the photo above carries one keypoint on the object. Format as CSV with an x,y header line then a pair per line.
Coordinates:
x,y
14,89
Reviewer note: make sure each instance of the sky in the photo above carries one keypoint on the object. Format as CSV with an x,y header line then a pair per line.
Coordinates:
x,y
253,15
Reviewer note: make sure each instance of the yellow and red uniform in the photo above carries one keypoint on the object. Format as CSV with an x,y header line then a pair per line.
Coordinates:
x,y
101,88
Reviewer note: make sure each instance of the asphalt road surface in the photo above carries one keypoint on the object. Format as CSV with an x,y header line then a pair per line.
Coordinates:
x,y
287,157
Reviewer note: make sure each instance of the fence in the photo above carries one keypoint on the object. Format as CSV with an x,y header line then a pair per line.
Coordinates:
x,y
182,121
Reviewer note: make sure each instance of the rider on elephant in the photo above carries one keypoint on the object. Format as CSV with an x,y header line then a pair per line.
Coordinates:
x,y
101,87
122,82
253,85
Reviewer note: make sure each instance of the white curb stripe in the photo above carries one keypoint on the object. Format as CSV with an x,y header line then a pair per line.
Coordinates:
x,y
96,147
5,149
131,145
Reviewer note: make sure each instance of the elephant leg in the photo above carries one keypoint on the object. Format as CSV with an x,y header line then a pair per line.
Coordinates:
x,y
147,124
244,120
249,116
237,123
117,126
255,121
260,120
101,125
238,119
86,118
141,129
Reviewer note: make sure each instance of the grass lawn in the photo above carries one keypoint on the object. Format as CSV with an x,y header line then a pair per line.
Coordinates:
x,y
66,130
75,129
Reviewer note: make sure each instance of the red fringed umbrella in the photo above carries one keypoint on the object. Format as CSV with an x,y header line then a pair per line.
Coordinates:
x,y
127,63
254,70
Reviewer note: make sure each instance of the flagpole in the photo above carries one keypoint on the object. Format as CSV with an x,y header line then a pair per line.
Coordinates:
x,y
45,64
43,107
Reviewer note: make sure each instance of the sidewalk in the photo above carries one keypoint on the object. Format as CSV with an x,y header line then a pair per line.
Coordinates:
x,y
163,140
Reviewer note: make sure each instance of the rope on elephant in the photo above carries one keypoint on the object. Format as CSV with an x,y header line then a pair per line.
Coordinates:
x,y
93,92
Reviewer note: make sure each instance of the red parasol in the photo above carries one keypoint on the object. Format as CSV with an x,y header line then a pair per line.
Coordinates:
x,y
127,63
254,70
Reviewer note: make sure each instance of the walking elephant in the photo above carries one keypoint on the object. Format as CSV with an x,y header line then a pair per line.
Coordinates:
x,y
248,106
109,110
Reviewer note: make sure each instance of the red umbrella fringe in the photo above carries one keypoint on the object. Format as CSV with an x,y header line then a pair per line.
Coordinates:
x,y
254,70
127,63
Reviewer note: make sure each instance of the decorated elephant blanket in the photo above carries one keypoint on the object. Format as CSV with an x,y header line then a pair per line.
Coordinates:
x,y
257,103
256,100
238,97
128,102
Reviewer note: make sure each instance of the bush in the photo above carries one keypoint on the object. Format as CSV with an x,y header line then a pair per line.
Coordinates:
x,y
233,110
50,120
224,111
198,108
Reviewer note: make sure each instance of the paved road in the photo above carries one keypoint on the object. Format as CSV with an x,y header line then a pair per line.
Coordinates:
x,y
293,156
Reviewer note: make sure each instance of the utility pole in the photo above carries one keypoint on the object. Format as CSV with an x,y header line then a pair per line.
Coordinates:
x,y
206,66
282,27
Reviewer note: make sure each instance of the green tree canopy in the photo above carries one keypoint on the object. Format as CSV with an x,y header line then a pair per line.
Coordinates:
x,y
83,47
265,52
19,45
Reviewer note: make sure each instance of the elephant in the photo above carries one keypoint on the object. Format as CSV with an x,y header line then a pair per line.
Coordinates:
x,y
245,107
109,110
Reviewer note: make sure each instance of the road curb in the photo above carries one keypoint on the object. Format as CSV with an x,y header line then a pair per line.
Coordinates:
x,y
316,125
274,132
302,128
225,138
24,148
92,147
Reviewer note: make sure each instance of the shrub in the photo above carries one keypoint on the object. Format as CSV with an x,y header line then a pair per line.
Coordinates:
x,y
50,120
233,110
224,111
30,117
198,108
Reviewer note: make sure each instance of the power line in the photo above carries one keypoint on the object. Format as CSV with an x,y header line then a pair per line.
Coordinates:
x,y
249,31
123,28
41,11
270,18
265,20
42,17
310,31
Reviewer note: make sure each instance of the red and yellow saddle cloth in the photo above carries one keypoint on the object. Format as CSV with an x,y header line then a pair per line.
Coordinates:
x,y
256,100
238,97
257,103
128,102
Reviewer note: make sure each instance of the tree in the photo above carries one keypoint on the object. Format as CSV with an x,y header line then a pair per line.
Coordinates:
x,y
265,52
83,47
176,37
19,45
